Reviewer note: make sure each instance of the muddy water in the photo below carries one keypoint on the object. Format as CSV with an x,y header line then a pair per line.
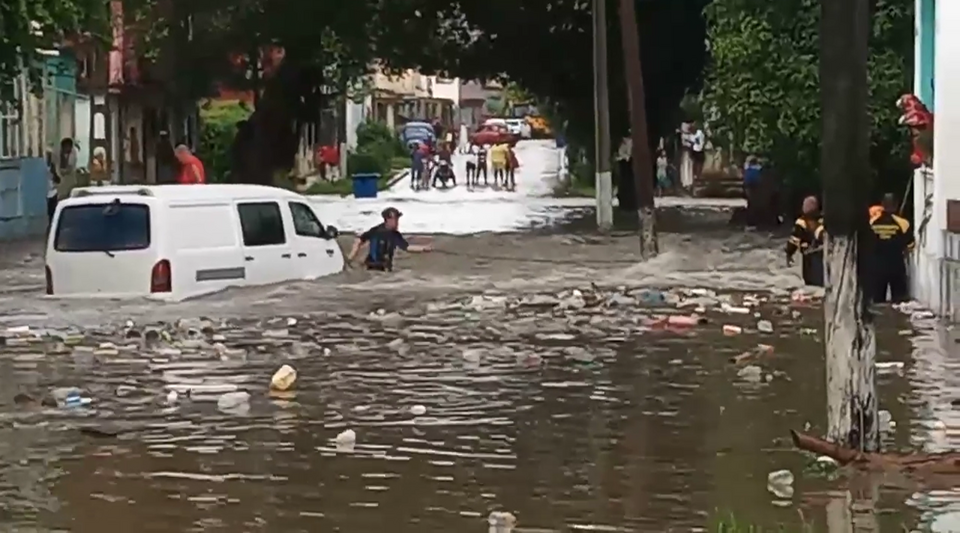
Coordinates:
x,y
570,418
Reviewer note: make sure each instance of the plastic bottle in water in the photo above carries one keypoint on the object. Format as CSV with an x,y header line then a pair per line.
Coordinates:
x,y
75,400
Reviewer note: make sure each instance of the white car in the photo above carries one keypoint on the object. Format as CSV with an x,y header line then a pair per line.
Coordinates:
x,y
515,126
178,241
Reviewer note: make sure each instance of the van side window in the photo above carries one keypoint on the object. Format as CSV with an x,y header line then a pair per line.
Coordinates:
x,y
261,223
305,223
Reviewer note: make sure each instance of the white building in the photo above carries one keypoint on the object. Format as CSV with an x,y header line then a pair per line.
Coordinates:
x,y
409,96
936,277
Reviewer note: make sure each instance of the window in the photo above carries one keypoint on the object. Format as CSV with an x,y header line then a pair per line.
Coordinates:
x,y
305,223
262,224
109,227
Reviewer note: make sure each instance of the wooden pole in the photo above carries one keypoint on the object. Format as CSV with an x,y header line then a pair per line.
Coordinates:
x,y
845,170
601,94
642,161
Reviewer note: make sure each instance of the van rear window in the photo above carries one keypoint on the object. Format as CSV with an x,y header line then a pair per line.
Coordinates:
x,y
109,227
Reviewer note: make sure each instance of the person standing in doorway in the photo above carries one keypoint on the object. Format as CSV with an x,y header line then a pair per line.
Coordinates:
x,y
191,168
698,143
52,193
66,168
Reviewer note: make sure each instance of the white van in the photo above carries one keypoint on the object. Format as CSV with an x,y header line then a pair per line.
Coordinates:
x,y
178,241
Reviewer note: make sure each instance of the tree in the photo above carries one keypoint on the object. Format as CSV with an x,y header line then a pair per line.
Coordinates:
x,y
328,44
33,26
762,87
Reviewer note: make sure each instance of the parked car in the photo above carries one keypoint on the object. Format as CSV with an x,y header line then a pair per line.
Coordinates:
x,y
492,134
515,125
417,132
177,241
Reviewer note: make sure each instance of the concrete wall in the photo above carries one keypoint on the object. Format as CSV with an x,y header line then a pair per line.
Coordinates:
x,y
936,282
23,198
925,50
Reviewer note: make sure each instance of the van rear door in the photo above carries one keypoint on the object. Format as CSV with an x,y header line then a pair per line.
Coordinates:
x,y
103,248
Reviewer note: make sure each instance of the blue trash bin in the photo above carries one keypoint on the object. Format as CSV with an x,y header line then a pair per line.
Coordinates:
x,y
365,185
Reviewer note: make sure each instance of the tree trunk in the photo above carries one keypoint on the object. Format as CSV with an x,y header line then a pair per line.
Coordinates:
x,y
643,165
267,142
849,340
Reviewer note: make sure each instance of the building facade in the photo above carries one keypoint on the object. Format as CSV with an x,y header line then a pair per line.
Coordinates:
x,y
936,275
29,131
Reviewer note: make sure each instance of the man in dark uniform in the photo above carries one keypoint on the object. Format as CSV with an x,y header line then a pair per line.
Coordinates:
x,y
807,238
383,240
894,240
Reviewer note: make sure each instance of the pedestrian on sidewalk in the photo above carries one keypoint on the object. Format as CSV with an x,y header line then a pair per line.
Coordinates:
x,y
752,174
698,143
191,171
512,165
499,157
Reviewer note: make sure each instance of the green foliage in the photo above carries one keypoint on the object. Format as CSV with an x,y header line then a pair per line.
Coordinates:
x,y
30,27
218,127
762,87
365,163
377,136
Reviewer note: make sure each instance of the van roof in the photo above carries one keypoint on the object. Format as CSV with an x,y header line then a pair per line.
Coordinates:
x,y
213,191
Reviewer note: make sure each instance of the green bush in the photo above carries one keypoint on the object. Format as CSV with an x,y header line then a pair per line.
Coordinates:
x,y
218,127
379,136
364,163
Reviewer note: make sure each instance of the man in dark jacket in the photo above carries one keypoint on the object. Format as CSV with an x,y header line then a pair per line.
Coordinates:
x,y
383,240
893,241
807,238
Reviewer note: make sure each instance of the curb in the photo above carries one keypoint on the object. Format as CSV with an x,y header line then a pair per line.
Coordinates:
x,y
397,179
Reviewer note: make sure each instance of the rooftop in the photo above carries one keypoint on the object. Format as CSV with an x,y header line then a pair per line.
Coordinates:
x,y
213,191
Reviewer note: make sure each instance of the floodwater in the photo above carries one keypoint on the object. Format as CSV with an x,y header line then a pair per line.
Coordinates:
x,y
473,379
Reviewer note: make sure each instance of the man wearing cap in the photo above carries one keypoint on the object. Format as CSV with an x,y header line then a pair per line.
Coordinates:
x,y
383,240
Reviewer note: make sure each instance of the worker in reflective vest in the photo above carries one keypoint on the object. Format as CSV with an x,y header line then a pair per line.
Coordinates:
x,y
893,241
807,238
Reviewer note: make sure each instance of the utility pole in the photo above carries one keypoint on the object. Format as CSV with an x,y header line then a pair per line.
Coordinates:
x,y
601,99
850,341
642,162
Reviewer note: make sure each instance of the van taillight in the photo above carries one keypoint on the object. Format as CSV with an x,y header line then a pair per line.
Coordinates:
x,y
49,277
160,277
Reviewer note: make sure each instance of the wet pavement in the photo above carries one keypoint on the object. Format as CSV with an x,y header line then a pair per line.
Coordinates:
x,y
490,376
460,210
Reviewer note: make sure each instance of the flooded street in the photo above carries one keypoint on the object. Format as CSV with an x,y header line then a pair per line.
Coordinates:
x,y
534,372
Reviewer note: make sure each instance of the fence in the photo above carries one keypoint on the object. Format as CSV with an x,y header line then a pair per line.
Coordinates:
x,y
29,127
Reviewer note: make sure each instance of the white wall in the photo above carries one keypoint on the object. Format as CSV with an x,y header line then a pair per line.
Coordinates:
x,y
447,88
929,284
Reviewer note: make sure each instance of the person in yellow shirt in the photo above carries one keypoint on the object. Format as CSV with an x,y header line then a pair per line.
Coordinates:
x,y
499,157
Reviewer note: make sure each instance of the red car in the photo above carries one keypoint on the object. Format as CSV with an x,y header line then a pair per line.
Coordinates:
x,y
492,134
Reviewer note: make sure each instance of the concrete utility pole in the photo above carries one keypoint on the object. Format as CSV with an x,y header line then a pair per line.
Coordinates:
x,y
849,338
642,162
601,99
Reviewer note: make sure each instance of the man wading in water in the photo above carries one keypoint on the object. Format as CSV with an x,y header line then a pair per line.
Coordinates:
x,y
807,238
384,239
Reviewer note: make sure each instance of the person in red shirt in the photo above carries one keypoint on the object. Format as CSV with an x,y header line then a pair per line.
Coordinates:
x,y
191,168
